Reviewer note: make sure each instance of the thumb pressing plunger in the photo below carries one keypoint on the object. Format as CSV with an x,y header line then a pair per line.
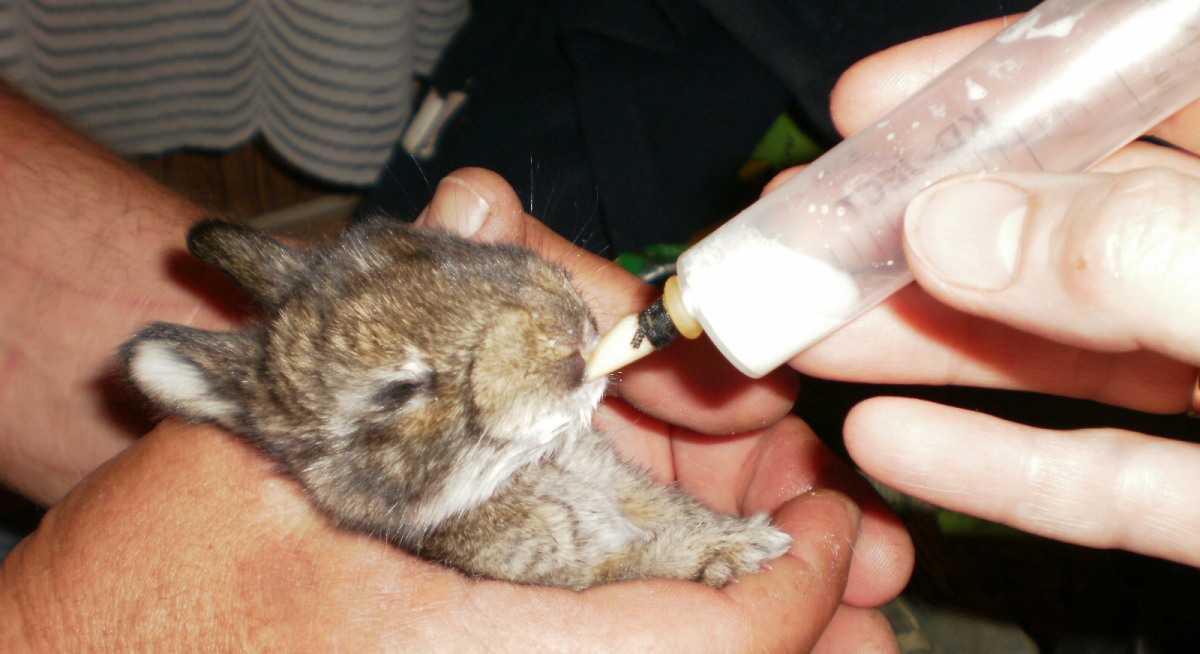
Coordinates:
x,y
635,336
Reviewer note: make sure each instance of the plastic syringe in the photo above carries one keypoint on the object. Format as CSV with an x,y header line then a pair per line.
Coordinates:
x,y
1057,91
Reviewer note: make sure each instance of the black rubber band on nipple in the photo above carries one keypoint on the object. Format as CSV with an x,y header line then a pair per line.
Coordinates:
x,y
656,326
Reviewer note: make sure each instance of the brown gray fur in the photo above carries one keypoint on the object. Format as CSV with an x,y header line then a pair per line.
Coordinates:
x,y
429,391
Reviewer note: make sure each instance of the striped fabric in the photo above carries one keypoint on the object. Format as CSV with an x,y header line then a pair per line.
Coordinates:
x,y
328,83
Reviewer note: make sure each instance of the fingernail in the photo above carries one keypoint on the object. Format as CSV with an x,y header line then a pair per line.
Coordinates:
x,y
459,207
968,232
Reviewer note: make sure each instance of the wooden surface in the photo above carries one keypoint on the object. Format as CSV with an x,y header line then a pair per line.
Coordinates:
x,y
242,183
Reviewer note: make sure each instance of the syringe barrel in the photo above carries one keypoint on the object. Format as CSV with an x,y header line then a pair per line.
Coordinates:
x,y
1068,84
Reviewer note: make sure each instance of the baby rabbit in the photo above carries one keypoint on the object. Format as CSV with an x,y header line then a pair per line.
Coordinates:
x,y
429,391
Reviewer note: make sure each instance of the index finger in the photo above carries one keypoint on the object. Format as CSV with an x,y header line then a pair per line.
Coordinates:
x,y
1095,487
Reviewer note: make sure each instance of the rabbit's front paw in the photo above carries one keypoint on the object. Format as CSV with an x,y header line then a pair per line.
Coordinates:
x,y
744,548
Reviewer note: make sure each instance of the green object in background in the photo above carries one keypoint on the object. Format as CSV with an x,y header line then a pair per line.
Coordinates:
x,y
785,144
654,256
632,261
664,252
958,524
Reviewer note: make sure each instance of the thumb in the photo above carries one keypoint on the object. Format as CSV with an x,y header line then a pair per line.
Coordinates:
x,y
1105,261
478,204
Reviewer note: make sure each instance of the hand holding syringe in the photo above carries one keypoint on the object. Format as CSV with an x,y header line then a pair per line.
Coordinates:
x,y
1099,301
1057,91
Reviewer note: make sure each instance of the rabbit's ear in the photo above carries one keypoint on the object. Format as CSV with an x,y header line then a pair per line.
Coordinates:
x,y
263,266
196,374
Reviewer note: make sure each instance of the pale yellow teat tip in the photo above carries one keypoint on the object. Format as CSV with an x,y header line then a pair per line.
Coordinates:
x,y
615,349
